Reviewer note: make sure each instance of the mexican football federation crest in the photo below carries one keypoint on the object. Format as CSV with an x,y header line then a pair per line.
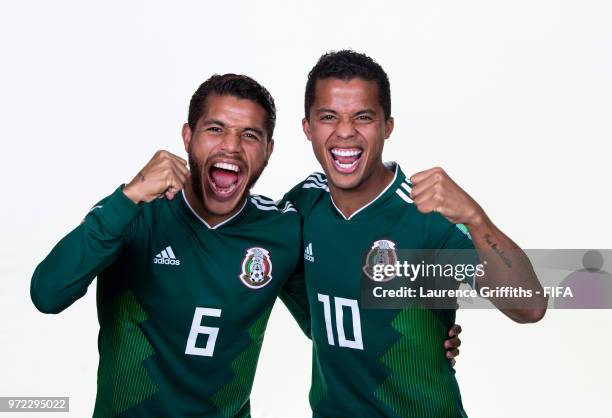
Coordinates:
x,y
382,254
256,268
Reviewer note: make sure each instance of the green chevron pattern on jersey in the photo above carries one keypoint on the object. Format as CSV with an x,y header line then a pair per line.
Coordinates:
x,y
419,343
230,398
123,349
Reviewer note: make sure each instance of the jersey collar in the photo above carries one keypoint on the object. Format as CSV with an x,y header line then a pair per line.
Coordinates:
x,y
194,216
382,196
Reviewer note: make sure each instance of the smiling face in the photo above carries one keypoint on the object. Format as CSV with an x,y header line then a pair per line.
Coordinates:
x,y
228,150
347,128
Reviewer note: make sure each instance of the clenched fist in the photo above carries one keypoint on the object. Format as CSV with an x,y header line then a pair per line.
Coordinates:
x,y
434,191
164,175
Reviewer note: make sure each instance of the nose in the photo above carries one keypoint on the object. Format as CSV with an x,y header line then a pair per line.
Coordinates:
x,y
231,142
345,128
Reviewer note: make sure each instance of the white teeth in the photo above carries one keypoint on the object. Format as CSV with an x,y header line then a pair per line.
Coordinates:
x,y
227,190
230,188
227,166
346,152
346,166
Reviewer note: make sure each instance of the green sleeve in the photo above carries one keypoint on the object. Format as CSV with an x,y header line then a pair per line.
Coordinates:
x,y
64,275
294,296
304,195
456,242
295,197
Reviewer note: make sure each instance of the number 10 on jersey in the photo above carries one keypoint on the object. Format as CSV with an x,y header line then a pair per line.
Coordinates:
x,y
340,304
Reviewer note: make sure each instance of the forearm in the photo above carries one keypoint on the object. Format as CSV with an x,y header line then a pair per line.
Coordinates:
x,y
507,265
64,275
295,298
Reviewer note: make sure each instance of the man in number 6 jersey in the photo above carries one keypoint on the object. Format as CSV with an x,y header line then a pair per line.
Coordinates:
x,y
189,265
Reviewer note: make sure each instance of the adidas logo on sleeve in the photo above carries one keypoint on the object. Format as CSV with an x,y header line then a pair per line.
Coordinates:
x,y
308,256
166,256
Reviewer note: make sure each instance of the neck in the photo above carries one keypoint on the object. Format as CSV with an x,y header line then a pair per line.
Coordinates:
x,y
200,209
348,201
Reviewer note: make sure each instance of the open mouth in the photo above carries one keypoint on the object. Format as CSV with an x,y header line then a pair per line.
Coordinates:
x,y
224,179
346,160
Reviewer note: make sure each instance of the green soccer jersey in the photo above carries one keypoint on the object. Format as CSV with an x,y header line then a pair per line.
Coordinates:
x,y
373,362
182,307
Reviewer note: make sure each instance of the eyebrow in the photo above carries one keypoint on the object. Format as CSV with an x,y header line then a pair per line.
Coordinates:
x,y
220,123
325,110
364,112
213,122
359,112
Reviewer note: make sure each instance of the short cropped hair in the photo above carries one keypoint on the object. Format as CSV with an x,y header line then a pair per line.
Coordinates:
x,y
236,85
347,65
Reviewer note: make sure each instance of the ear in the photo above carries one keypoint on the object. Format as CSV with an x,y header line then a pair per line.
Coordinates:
x,y
306,128
186,133
389,124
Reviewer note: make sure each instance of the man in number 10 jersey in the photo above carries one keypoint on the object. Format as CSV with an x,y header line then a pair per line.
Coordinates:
x,y
378,362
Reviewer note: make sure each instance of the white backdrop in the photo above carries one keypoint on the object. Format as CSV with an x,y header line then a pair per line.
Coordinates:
x,y
513,98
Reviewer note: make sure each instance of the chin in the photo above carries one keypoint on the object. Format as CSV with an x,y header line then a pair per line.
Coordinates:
x,y
343,181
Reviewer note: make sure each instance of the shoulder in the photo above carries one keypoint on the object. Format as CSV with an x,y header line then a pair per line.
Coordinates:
x,y
402,194
435,227
273,208
304,195
276,221
315,181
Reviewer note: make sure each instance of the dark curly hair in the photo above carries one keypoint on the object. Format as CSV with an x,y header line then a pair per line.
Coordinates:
x,y
346,65
236,85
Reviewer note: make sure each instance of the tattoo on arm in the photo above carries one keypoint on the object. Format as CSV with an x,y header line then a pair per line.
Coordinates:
x,y
142,177
499,252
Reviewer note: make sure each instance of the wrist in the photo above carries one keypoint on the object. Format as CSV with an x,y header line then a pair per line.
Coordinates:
x,y
478,221
131,193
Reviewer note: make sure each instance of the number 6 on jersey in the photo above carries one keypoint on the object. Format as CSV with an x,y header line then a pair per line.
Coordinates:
x,y
197,328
